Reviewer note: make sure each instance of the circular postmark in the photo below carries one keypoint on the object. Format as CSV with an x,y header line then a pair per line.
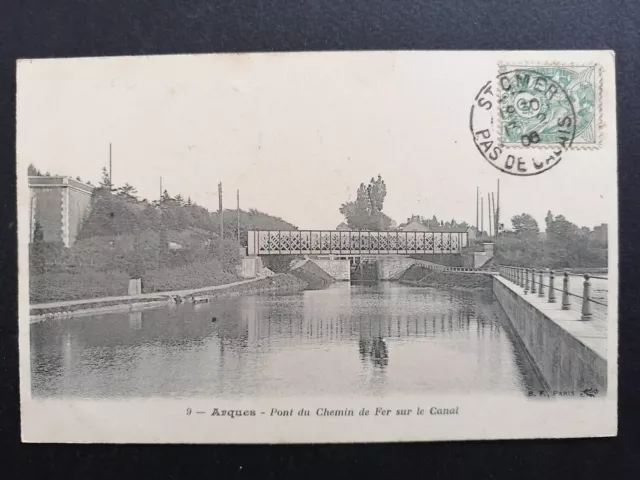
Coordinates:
x,y
523,122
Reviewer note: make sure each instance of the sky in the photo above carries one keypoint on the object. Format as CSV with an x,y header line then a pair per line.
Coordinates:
x,y
295,133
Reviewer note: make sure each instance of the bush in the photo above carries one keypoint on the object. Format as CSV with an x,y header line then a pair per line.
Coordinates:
x,y
278,263
227,252
81,283
195,275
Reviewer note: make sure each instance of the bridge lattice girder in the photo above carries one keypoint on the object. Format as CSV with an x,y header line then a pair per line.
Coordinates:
x,y
339,242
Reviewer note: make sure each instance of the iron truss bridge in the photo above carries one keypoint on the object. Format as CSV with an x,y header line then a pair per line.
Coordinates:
x,y
340,242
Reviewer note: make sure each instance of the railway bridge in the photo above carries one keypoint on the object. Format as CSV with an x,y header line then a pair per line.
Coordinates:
x,y
355,243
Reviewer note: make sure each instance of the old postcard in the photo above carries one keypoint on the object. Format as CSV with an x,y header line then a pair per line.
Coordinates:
x,y
318,247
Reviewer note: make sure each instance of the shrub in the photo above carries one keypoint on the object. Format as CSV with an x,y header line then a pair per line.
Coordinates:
x,y
78,284
195,275
278,263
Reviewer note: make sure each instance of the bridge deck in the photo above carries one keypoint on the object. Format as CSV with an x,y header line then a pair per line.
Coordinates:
x,y
338,242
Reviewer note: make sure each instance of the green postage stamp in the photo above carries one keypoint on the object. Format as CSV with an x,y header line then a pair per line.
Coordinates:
x,y
533,99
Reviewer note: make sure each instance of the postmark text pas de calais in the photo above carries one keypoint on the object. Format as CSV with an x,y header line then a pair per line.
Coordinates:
x,y
527,118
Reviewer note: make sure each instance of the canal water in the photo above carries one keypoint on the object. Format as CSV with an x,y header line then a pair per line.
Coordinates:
x,y
369,340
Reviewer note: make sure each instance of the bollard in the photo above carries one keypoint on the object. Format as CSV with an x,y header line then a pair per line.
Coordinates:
x,y
533,280
552,291
541,289
566,300
586,296
526,281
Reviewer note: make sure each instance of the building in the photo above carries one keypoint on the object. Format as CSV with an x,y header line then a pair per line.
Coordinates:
x,y
343,226
414,224
601,233
59,205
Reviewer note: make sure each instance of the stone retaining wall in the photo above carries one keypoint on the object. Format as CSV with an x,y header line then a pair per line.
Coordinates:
x,y
338,269
570,354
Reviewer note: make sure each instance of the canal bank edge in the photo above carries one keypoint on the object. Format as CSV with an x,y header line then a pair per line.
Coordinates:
x,y
72,308
568,353
419,276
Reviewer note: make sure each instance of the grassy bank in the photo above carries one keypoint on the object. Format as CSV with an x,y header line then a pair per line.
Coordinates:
x,y
283,283
86,282
423,277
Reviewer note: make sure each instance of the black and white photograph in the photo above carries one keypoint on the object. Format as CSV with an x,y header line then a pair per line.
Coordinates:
x,y
317,247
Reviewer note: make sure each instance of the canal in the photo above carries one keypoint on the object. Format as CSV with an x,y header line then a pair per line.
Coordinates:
x,y
371,340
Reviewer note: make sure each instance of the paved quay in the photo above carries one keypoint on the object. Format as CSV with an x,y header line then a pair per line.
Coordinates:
x,y
591,333
141,296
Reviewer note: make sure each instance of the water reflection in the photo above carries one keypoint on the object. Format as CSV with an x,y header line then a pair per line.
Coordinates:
x,y
348,339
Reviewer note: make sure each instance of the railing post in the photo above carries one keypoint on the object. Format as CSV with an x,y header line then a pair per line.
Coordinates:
x,y
586,299
541,289
533,280
552,290
566,300
526,281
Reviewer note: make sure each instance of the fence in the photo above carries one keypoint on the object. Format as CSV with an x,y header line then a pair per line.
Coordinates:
x,y
570,291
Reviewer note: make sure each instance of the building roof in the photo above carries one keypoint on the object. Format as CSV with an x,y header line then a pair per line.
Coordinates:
x,y
414,226
51,181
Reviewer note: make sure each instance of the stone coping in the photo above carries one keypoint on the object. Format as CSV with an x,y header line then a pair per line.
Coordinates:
x,y
142,296
591,333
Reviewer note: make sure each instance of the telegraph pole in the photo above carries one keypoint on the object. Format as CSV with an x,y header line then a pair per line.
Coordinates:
x,y
493,211
220,208
489,212
477,208
110,170
498,211
161,189
482,215
238,208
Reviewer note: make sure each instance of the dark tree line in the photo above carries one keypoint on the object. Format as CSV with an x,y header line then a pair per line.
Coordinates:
x,y
563,245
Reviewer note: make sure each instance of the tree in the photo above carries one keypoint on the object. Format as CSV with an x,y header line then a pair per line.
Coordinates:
x,y
178,198
525,225
165,196
548,219
37,251
376,191
562,228
105,182
365,213
163,246
32,171
128,191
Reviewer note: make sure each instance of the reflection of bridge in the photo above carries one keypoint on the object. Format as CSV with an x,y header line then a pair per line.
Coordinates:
x,y
337,242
